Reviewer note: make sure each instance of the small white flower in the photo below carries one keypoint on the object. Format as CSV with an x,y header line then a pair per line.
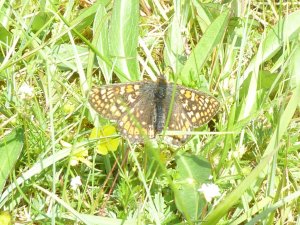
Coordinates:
x,y
74,161
75,182
25,91
209,191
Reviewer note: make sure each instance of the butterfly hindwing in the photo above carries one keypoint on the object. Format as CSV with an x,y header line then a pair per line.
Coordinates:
x,y
179,122
137,123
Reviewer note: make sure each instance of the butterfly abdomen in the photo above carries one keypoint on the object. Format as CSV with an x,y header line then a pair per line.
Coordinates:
x,y
160,96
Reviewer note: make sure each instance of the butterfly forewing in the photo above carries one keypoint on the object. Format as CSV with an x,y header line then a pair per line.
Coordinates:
x,y
199,107
129,106
111,101
191,109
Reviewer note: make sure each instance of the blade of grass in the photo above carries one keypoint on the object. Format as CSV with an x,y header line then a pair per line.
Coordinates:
x,y
210,39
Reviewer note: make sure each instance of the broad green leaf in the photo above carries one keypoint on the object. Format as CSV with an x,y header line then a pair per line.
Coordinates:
x,y
193,171
124,38
10,150
294,68
65,56
5,36
174,41
210,39
206,13
265,80
40,20
101,41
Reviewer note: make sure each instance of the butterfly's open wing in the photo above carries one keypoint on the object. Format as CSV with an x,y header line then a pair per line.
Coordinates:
x,y
191,109
131,105
112,101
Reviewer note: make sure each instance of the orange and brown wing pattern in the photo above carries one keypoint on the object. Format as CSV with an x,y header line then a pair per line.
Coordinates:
x,y
191,109
130,104
199,107
179,121
137,125
112,101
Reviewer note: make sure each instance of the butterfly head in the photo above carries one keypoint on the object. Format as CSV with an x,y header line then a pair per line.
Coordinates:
x,y
161,79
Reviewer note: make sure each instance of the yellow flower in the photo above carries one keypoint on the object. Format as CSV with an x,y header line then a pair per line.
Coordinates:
x,y
5,218
79,153
68,108
107,142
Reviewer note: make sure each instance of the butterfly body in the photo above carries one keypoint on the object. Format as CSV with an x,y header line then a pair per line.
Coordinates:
x,y
141,108
160,105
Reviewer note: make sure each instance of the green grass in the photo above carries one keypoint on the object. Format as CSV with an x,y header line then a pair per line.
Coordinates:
x,y
246,55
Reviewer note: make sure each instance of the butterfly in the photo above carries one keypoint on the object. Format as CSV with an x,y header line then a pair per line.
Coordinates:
x,y
141,109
